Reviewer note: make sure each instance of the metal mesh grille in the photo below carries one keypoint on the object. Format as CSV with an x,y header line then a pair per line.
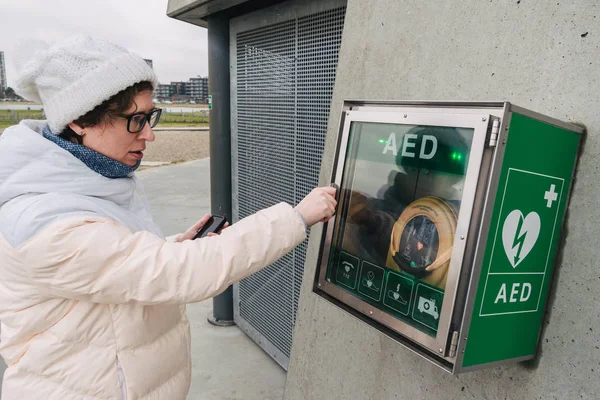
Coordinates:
x,y
285,77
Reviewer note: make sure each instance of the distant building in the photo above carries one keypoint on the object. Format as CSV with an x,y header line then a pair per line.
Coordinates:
x,y
163,92
3,83
194,90
149,62
197,89
179,88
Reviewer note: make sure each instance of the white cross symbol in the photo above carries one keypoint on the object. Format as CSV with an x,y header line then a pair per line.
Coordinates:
x,y
550,196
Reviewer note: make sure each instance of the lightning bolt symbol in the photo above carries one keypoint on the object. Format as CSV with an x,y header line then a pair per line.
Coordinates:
x,y
518,240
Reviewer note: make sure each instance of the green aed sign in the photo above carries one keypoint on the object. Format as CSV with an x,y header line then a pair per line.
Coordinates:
x,y
522,243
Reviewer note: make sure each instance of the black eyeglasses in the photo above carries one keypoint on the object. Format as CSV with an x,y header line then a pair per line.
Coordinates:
x,y
137,121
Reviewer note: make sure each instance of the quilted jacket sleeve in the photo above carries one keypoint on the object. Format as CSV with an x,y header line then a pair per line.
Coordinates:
x,y
100,261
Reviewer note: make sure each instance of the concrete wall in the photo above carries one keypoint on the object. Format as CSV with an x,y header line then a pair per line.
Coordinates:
x,y
535,54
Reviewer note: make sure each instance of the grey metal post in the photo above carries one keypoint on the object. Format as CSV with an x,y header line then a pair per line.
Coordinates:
x,y
220,143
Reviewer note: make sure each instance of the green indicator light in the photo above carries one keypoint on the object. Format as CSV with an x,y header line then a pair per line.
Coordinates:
x,y
456,156
381,141
412,264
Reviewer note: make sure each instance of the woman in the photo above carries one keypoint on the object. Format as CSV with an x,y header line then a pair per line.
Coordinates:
x,y
92,296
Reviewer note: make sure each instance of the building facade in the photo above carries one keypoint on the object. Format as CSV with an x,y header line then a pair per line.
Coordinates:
x,y
195,90
163,92
3,83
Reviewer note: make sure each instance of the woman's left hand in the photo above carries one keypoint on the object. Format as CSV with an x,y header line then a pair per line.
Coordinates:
x,y
193,230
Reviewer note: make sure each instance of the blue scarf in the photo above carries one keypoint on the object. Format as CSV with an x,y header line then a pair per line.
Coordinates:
x,y
97,162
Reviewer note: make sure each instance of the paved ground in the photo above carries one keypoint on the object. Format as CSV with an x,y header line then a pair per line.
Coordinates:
x,y
176,145
227,365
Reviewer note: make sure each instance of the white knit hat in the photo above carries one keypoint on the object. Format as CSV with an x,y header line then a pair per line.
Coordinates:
x,y
72,77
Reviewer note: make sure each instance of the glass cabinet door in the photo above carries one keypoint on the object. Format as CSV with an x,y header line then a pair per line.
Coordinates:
x,y
402,190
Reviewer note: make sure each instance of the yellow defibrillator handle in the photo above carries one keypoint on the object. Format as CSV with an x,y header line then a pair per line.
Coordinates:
x,y
444,216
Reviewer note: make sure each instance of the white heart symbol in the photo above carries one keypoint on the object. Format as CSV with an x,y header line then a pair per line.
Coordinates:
x,y
519,235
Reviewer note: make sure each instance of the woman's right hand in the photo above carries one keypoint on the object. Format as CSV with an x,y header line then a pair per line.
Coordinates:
x,y
318,206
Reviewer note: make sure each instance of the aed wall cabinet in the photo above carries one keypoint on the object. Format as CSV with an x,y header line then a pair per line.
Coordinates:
x,y
448,225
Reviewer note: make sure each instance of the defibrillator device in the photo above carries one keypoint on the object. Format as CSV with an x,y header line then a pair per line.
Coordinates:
x,y
422,239
448,225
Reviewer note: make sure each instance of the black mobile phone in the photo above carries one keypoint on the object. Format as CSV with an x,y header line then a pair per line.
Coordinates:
x,y
214,225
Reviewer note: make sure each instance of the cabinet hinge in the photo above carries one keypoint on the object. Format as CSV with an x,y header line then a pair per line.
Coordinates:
x,y
454,343
494,132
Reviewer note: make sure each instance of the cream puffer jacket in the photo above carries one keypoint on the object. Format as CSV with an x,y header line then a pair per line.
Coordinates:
x,y
92,296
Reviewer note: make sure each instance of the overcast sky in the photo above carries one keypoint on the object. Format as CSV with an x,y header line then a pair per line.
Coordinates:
x,y
178,49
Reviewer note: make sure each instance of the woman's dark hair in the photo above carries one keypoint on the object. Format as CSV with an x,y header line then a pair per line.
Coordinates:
x,y
116,105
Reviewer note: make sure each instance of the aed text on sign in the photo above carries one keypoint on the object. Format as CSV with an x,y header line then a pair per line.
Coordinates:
x,y
512,293
518,293
429,146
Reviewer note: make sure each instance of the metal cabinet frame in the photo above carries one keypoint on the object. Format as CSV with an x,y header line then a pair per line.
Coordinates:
x,y
482,118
